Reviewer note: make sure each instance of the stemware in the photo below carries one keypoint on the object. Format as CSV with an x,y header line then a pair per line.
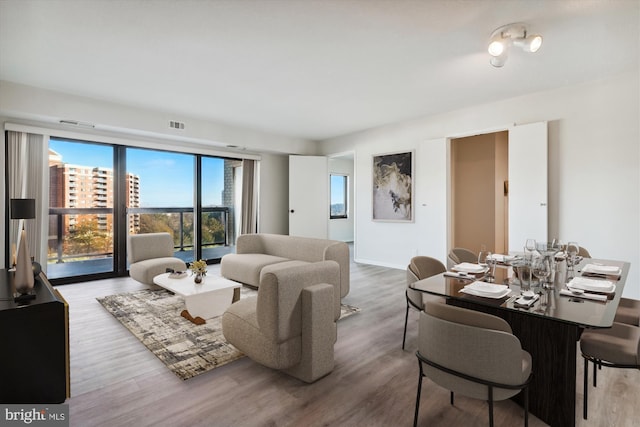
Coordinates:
x,y
485,259
529,248
541,269
572,253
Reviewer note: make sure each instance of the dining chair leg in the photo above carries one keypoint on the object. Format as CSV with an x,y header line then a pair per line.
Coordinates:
x,y
451,398
490,406
415,417
406,318
585,389
595,373
526,407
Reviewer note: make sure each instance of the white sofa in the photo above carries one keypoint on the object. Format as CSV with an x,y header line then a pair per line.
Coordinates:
x,y
257,254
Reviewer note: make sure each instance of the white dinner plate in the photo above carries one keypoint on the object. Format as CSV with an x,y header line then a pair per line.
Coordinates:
x,y
469,267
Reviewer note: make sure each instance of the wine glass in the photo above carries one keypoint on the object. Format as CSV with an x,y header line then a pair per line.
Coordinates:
x,y
572,253
529,248
541,269
484,259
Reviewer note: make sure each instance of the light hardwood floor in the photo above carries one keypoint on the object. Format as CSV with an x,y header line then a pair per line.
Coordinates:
x,y
116,381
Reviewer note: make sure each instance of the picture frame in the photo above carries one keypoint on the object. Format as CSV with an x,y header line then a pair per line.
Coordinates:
x,y
392,179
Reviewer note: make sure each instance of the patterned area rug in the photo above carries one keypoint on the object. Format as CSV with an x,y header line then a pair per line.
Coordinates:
x,y
153,316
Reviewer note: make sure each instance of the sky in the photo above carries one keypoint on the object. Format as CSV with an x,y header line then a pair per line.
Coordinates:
x,y
166,178
337,189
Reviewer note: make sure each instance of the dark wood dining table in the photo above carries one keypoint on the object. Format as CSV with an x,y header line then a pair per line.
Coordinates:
x,y
549,330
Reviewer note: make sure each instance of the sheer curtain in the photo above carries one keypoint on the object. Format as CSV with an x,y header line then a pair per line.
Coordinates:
x,y
249,208
29,179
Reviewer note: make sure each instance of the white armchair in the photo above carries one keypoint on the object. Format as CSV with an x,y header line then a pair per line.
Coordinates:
x,y
151,254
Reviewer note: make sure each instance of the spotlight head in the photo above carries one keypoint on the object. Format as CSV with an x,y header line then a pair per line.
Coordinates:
x,y
496,48
498,61
534,41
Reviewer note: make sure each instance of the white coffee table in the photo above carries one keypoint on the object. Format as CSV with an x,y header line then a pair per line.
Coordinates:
x,y
205,300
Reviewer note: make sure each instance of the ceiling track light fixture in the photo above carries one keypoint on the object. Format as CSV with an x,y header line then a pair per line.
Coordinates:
x,y
511,35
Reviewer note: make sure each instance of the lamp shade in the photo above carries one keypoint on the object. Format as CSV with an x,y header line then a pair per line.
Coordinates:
x,y
23,208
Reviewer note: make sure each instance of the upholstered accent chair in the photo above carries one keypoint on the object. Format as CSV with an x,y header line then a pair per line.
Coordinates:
x,y
460,255
419,268
615,347
473,354
291,324
151,254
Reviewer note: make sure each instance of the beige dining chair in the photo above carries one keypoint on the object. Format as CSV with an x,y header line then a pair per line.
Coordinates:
x,y
615,347
459,255
583,252
628,310
471,353
420,267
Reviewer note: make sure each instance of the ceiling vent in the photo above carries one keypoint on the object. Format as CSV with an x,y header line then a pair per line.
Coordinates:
x,y
77,123
176,125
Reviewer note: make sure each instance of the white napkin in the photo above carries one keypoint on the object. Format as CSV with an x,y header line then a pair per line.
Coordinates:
x,y
597,297
459,275
526,302
469,267
593,285
606,270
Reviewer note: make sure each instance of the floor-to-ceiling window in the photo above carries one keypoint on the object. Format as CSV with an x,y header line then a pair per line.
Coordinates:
x,y
81,201
165,196
100,194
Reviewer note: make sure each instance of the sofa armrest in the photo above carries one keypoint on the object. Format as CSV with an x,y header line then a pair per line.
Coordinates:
x,y
339,252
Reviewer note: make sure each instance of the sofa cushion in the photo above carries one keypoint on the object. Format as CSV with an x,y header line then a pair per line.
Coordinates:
x,y
245,268
144,271
240,327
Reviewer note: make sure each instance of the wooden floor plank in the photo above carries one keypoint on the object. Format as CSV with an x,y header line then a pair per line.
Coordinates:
x,y
116,381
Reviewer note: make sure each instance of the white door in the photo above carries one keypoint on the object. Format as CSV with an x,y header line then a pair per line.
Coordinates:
x,y
309,196
527,184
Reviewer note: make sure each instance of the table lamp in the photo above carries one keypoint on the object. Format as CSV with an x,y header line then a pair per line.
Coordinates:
x,y
24,279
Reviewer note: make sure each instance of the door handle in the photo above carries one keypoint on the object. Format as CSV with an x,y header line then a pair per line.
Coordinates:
x,y
292,211
543,204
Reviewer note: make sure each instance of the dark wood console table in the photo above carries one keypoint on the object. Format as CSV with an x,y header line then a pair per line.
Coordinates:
x,y
34,357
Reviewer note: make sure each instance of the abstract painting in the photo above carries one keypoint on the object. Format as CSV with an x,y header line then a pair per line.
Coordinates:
x,y
393,187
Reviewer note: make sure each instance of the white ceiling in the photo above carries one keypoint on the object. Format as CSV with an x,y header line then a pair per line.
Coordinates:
x,y
309,69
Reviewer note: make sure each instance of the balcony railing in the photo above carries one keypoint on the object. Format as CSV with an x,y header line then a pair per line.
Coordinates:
x,y
180,220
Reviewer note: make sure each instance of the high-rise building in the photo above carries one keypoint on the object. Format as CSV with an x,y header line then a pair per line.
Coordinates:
x,y
82,187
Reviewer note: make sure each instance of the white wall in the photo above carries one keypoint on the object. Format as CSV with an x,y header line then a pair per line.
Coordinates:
x,y
594,170
339,228
46,106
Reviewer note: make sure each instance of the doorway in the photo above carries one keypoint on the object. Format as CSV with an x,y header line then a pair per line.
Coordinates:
x,y
498,188
480,192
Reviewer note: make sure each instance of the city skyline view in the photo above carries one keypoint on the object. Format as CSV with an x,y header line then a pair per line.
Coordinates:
x,y
166,178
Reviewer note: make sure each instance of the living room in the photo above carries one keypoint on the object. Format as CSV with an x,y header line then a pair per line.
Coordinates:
x,y
593,153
